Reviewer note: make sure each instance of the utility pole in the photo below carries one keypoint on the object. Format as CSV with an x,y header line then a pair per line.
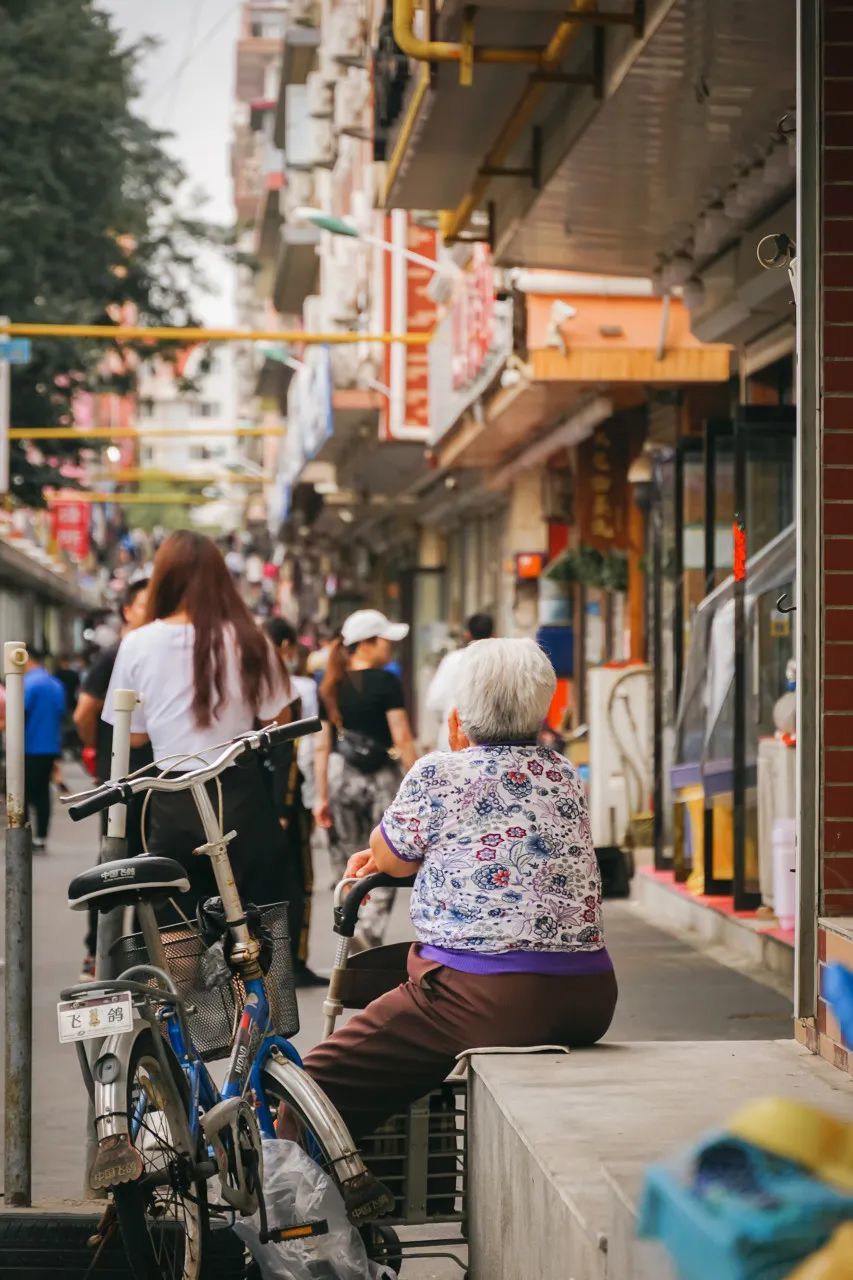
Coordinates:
x,y
19,944
5,421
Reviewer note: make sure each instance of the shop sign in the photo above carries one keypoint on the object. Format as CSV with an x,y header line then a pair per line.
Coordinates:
x,y
71,527
471,344
408,307
601,491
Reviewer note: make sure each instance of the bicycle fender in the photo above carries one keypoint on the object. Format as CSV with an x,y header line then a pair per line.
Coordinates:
x,y
364,1196
116,1159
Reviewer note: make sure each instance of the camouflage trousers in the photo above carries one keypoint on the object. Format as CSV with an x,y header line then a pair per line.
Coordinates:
x,y
358,801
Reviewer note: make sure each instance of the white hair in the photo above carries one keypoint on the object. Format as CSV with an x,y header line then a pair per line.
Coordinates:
x,y
503,689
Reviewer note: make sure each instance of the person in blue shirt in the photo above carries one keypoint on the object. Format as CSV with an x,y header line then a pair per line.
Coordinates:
x,y
44,711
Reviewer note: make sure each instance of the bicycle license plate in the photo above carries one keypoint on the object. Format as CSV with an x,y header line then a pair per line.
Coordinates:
x,y
92,1017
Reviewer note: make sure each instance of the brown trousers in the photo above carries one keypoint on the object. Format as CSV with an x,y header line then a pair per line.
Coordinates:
x,y
405,1043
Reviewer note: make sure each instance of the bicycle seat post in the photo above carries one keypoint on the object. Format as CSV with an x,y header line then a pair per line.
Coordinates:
x,y
245,952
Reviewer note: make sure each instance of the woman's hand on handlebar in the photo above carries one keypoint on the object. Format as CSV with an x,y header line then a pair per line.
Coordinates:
x,y
360,865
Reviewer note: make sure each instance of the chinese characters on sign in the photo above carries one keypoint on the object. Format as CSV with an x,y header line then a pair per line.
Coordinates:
x,y
602,486
408,307
71,528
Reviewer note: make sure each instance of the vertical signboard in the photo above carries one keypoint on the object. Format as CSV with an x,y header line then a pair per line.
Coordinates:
x,y
70,519
408,309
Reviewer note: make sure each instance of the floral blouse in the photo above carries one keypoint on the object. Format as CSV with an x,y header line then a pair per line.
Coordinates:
x,y
508,861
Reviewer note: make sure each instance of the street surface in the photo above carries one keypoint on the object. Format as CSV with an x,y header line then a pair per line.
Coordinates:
x,y
668,991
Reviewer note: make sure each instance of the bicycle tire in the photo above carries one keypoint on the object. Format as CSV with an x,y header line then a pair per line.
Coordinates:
x,y
174,1253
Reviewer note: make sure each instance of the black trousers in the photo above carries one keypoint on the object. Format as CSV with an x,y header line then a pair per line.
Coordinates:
x,y
38,770
263,871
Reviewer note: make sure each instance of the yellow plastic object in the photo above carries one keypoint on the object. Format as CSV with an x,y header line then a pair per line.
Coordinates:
x,y
833,1262
821,1143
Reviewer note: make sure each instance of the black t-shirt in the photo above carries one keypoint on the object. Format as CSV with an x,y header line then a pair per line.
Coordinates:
x,y
96,682
364,699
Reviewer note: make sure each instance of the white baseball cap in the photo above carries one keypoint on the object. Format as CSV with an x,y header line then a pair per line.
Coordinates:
x,y
370,624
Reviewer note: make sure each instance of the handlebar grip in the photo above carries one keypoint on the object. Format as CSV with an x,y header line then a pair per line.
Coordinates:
x,y
346,914
103,798
275,734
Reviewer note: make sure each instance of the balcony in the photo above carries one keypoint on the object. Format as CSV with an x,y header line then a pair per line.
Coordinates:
x,y
299,54
297,268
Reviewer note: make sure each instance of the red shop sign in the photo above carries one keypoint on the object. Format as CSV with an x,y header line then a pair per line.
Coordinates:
x,y
71,528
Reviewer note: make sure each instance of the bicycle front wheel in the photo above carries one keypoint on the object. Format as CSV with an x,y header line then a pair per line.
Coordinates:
x,y
163,1214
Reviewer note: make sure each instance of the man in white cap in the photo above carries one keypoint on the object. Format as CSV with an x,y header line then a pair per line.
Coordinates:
x,y
366,738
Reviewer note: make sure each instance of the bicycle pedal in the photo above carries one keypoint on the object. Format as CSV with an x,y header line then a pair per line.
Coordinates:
x,y
116,1161
305,1231
366,1198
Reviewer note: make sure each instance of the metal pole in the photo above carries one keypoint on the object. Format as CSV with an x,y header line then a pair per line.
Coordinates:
x,y
5,394
19,943
113,846
740,684
114,843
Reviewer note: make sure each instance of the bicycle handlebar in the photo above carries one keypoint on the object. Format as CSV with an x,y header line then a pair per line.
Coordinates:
x,y
346,914
87,803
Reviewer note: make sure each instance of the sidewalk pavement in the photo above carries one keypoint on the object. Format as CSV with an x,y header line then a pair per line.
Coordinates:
x,y
668,991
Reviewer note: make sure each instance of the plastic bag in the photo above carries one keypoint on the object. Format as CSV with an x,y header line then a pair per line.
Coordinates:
x,y
297,1191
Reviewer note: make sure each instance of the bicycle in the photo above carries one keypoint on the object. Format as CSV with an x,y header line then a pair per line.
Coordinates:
x,y
162,1127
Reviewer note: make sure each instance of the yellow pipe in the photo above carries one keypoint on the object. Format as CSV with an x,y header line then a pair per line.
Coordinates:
x,y
132,433
136,332
129,475
128,499
450,51
452,222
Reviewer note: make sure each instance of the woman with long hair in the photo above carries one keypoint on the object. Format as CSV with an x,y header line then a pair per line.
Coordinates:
x,y
205,673
366,738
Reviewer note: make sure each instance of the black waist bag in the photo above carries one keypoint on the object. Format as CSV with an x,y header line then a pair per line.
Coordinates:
x,y
362,752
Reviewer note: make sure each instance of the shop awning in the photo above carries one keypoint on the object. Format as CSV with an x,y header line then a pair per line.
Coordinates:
x,y
579,347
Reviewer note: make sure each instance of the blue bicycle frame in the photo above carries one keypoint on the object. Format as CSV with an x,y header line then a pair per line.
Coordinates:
x,y
249,1053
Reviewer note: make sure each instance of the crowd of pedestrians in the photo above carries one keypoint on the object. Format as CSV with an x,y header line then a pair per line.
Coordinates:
x,y
207,667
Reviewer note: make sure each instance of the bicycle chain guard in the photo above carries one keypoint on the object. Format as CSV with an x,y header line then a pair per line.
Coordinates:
x,y
231,1129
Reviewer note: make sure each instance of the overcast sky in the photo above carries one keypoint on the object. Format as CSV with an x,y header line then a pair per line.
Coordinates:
x,y
188,89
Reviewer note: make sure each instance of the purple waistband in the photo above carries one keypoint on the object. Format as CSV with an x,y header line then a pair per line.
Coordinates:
x,y
556,963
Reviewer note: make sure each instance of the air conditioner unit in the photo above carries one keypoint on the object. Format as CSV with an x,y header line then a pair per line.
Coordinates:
x,y
322,145
353,104
347,36
345,365
298,192
343,297
304,13
327,68
321,97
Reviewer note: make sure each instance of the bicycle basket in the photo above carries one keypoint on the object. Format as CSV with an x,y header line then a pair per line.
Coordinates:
x,y
212,1014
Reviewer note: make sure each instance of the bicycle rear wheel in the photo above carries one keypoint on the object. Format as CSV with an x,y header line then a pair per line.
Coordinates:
x,y
163,1214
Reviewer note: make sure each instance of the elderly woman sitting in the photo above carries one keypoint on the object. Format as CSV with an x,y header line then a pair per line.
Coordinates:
x,y
506,907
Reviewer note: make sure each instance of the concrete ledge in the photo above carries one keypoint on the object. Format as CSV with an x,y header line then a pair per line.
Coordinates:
x,y
670,905
558,1145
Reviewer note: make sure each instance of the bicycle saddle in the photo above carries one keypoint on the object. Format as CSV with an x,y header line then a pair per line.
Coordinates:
x,y
127,881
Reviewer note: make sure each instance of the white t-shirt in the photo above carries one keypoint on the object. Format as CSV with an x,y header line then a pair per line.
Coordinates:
x,y
441,695
157,661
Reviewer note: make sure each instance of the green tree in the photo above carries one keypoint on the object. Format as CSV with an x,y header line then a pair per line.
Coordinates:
x,y
90,210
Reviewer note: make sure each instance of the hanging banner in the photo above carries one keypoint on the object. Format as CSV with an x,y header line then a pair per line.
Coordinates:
x,y
408,308
70,530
